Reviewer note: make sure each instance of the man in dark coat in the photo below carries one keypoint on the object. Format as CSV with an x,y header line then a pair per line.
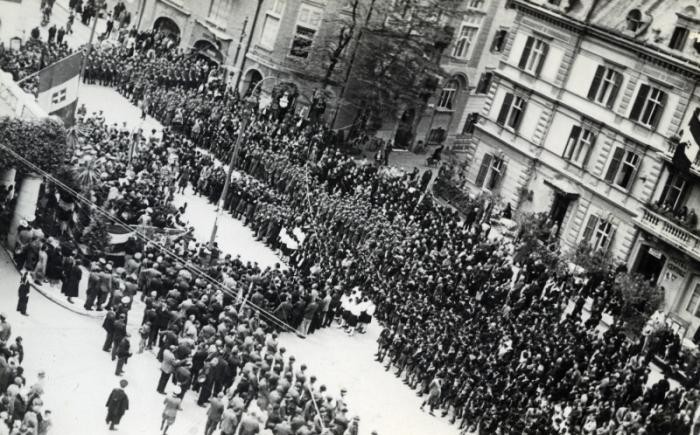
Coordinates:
x,y
108,326
23,295
71,279
123,354
117,404
118,333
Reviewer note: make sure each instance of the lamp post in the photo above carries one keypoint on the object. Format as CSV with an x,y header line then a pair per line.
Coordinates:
x,y
250,102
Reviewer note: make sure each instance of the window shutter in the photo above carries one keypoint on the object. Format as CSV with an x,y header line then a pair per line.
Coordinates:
x,y
520,117
573,137
595,84
545,50
608,242
589,151
639,102
633,175
501,175
660,110
494,44
526,52
505,107
590,227
483,170
614,164
617,78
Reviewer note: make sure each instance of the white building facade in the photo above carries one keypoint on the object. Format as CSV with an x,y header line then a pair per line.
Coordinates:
x,y
579,122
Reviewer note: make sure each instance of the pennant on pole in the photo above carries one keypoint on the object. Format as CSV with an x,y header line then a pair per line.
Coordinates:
x,y
58,87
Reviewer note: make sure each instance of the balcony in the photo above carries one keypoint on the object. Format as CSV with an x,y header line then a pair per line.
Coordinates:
x,y
669,232
671,150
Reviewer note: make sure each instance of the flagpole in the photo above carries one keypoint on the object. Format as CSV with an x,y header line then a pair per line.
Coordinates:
x,y
19,82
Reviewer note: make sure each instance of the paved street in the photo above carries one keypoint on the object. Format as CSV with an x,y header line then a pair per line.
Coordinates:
x,y
67,345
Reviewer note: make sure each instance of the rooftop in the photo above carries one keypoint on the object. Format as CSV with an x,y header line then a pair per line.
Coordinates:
x,y
671,26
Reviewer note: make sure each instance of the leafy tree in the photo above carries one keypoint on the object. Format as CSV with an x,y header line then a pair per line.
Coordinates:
x,y
42,142
88,173
639,300
396,61
95,236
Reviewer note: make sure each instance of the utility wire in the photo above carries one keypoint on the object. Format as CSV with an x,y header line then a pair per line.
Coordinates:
x,y
186,263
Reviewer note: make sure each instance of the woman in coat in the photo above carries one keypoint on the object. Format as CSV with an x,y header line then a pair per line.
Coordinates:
x,y
39,273
54,269
72,274
117,404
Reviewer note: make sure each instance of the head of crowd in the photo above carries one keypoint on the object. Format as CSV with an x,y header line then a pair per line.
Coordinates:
x,y
487,334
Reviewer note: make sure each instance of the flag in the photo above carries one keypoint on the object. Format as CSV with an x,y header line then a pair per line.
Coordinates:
x,y
691,135
58,87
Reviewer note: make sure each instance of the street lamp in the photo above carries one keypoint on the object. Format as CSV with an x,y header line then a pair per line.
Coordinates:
x,y
250,103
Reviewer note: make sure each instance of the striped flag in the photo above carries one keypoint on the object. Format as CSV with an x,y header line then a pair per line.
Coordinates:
x,y
691,135
58,87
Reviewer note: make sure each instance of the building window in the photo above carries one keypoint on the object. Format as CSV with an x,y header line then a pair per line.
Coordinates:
x,y
484,83
490,172
649,106
447,95
476,4
579,145
694,303
269,33
634,20
623,167
511,111
673,193
605,86
470,123
219,10
533,55
437,135
680,35
464,42
598,233
308,22
278,7
499,41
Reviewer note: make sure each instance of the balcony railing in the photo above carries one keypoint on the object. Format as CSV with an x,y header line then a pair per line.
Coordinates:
x,y
670,232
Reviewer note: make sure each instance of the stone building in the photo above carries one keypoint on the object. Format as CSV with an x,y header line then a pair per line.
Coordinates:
x,y
480,34
216,29
580,121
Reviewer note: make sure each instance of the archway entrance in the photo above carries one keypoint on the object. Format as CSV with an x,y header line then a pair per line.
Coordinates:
x,y
250,80
167,25
207,50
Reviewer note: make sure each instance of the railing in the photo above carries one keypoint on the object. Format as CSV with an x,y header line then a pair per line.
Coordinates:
x,y
672,150
670,232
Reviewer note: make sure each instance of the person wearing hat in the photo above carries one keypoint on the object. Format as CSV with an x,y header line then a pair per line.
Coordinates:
x,y
117,405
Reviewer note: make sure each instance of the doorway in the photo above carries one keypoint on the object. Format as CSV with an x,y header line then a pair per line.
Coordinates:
x,y
560,205
650,262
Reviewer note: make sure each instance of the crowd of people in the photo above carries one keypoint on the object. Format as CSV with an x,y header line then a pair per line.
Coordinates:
x,y
22,410
481,330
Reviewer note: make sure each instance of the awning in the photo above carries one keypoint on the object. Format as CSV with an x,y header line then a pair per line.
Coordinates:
x,y
218,34
564,187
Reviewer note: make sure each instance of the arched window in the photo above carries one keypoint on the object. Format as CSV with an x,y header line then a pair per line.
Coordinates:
x,y
634,20
447,95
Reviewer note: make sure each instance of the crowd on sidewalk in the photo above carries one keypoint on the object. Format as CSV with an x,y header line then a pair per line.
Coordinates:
x,y
22,410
